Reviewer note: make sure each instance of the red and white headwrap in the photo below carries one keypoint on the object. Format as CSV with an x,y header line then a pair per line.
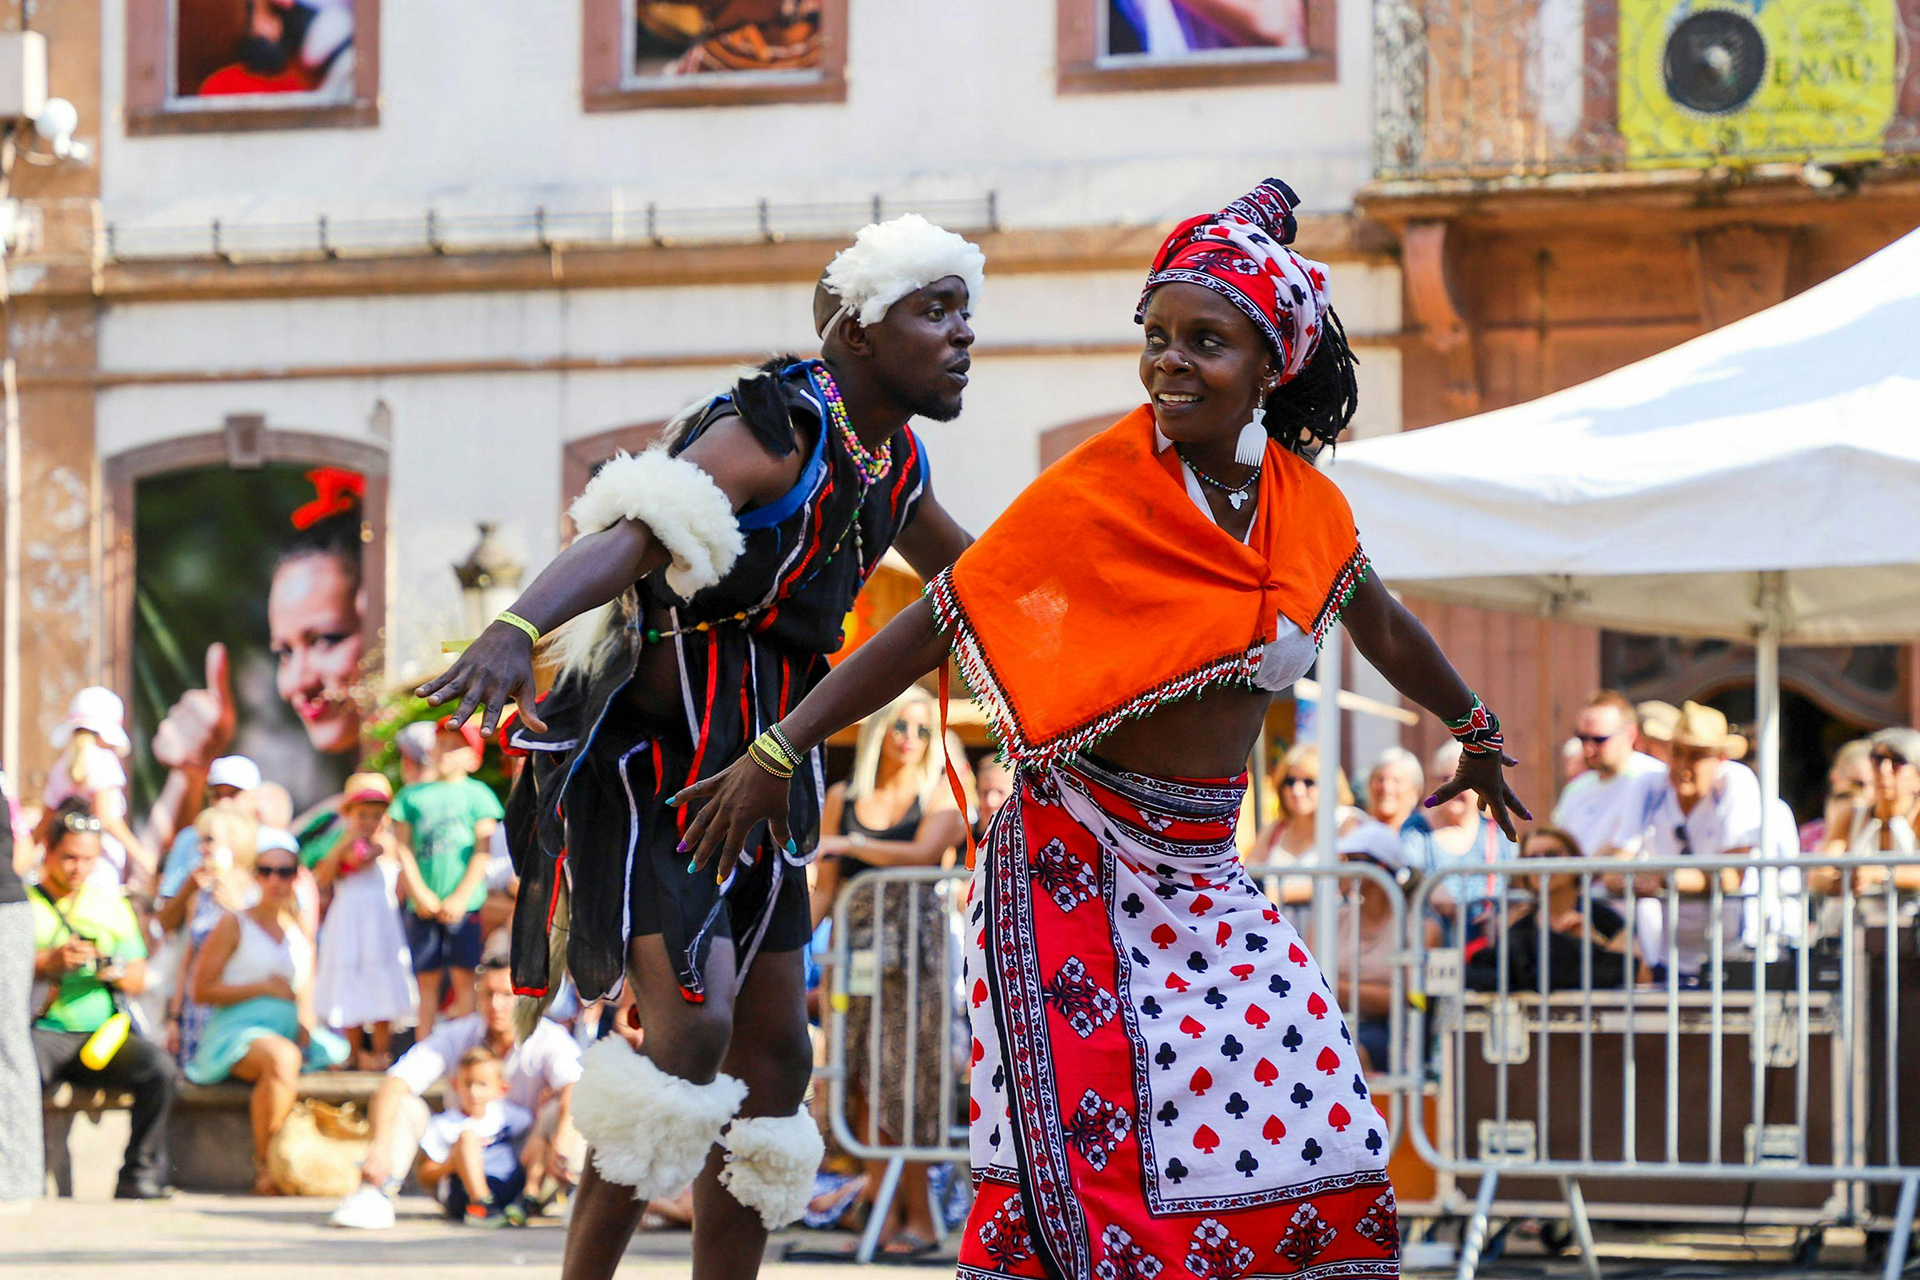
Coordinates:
x,y
1241,254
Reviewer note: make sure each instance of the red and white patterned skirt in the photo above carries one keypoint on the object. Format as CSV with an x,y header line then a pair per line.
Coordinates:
x,y
1162,1083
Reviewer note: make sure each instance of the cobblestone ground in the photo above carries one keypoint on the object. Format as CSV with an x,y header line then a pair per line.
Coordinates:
x,y
194,1237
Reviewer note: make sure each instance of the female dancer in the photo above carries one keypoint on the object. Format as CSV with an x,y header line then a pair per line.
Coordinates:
x,y
1163,1079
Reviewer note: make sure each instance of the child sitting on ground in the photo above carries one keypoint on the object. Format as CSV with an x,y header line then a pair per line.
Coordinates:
x,y
468,1149
365,979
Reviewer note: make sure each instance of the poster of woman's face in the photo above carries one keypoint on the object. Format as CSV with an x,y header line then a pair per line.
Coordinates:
x,y
227,49
707,37
266,563
1187,30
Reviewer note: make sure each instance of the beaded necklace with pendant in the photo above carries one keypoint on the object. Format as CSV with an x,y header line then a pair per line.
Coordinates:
x,y
871,464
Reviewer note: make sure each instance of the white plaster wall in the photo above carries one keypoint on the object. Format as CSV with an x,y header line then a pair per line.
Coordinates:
x,y
481,113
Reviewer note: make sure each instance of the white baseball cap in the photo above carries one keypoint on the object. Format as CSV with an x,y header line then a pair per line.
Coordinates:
x,y
237,772
100,712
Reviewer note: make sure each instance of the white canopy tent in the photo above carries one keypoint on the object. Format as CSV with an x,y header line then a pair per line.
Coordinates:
x,y
1759,483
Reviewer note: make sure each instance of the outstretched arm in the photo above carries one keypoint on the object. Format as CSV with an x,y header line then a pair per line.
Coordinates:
x,y
1398,646
498,666
743,795
933,539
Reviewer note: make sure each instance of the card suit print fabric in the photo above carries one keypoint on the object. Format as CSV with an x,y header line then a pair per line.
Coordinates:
x,y
1148,1105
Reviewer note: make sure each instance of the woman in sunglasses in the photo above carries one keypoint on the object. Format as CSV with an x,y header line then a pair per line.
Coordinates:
x,y
256,970
1883,824
893,812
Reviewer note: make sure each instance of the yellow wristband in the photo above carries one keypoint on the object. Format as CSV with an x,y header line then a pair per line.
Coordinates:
x,y
513,619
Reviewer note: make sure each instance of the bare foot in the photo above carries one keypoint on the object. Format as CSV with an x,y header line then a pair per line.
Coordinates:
x,y
263,1184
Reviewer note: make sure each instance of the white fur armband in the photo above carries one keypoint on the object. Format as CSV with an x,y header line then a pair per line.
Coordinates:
x,y
678,502
770,1165
649,1130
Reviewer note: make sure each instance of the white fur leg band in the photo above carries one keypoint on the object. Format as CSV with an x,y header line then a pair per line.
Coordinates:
x,y
770,1165
649,1130
678,502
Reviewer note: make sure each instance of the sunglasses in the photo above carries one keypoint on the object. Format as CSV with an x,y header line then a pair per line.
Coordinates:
x,y
1887,755
1595,739
81,822
1311,784
272,873
903,728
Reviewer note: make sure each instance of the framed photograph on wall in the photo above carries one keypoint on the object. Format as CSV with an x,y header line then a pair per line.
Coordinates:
x,y
642,53
1164,44
216,65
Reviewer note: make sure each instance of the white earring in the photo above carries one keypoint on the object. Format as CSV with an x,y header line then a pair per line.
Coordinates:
x,y
1252,445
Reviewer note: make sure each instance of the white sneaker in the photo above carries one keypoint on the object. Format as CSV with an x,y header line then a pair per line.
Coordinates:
x,y
367,1209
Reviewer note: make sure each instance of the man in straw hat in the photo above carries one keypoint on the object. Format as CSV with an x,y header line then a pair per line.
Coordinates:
x,y
709,583
1707,805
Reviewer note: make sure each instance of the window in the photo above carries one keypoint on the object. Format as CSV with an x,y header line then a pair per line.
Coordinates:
x,y
1175,44
677,53
209,66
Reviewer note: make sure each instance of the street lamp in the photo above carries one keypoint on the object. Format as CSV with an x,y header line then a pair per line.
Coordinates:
x,y
489,580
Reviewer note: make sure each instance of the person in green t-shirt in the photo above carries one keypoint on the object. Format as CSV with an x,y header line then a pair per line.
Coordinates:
x,y
87,953
444,829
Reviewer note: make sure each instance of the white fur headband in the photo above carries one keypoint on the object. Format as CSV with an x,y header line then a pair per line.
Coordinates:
x,y
889,260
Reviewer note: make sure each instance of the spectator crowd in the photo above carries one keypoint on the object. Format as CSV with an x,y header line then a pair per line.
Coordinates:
x,y
222,937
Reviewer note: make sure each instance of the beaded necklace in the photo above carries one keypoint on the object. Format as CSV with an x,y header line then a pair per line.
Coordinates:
x,y
1237,495
870,464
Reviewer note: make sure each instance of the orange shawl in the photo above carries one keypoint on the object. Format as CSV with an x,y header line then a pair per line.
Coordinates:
x,y
1103,590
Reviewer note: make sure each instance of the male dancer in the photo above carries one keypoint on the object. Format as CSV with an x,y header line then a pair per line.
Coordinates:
x,y
719,566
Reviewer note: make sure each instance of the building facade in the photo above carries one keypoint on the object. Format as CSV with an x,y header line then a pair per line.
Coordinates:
x,y
428,273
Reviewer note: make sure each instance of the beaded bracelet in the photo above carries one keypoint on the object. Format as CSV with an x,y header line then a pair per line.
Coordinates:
x,y
1478,731
786,745
767,752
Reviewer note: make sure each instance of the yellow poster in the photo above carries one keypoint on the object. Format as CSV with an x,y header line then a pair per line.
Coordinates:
x,y
1737,82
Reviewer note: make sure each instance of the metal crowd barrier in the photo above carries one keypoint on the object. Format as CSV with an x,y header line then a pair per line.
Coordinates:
x,y
1757,1069
879,972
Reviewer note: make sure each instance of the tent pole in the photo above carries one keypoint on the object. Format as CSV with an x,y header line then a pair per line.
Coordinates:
x,y
1326,816
1766,695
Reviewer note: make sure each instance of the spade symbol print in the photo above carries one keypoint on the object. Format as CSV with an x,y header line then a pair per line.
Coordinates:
x,y
1273,1130
1201,905
1166,1057
1237,1107
1231,1049
1301,1095
1221,934
1201,1082
1167,1114
1150,1007
1279,985
1328,1063
1373,1141
1293,1039
1193,1026
1206,1141
1310,1151
1241,971
1246,1164
1339,1118
1295,954
1163,936
1176,983
1133,906
1175,1170
1316,1006
1265,1073
979,993
1257,1018
1214,998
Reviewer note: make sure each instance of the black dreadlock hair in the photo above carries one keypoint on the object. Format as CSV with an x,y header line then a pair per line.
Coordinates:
x,y
762,405
1310,411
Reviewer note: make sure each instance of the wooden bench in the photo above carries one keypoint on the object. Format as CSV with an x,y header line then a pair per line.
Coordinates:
x,y
210,1138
